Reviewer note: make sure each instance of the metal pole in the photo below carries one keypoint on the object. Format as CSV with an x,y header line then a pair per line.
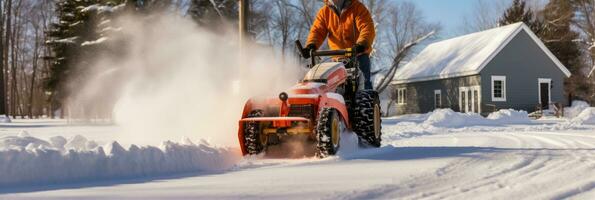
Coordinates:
x,y
244,11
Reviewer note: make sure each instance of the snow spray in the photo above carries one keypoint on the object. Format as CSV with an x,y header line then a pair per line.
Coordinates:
x,y
173,80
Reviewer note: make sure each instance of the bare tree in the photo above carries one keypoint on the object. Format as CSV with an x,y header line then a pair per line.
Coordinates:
x,y
406,30
283,24
585,21
484,15
22,31
3,109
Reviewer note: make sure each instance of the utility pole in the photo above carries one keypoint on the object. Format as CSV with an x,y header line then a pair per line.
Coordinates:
x,y
244,15
243,40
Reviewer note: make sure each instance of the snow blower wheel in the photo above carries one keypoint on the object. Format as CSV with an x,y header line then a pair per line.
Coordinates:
x,y
367,120
328,132
253,139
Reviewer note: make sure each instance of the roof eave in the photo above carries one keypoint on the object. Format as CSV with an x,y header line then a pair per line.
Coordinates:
x,y
434,78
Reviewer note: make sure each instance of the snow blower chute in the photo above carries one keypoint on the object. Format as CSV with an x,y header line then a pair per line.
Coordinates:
x,y
330,96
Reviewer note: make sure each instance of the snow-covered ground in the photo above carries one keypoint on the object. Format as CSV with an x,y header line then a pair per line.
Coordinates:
x,y
428,156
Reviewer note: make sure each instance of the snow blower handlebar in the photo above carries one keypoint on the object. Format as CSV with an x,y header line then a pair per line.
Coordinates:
x,y
350,52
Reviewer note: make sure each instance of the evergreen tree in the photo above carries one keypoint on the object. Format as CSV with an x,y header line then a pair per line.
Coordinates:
x,y
74,39
560,38
518,12
65,36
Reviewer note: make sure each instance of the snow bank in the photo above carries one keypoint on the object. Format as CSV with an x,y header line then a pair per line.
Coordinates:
x,y
26,160
575,109
587,116
450,119
5,119
510,116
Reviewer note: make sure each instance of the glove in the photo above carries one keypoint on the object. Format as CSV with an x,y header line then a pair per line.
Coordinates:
x,y
306,51
360,48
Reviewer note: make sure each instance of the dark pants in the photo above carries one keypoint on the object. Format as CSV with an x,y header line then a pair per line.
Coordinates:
x,y
365,65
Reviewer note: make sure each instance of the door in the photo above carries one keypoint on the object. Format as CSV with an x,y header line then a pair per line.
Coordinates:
x,y
545,94
476,100
545,97
470,99
463,101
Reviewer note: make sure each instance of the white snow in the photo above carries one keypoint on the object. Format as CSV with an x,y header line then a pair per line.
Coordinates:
x,y
458,56
587,116
26,160
94,42
575,109
510,116
98,8
4,119
450,119
70,40
439,155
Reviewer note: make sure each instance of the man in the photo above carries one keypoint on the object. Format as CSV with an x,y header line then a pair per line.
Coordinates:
x,y
336,20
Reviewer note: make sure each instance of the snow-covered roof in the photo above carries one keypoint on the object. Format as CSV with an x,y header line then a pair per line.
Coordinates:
x,y
465,55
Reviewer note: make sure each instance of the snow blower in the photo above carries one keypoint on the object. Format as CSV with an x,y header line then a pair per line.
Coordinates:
x,y
330,96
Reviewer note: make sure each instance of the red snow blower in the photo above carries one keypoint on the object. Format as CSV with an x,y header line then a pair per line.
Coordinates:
x,y
329,97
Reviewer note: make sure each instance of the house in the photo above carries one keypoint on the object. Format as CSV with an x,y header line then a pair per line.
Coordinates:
x,y
504,67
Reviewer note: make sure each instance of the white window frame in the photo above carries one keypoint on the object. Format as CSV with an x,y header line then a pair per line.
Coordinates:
x,y
503,79
439,102
549,89
402,96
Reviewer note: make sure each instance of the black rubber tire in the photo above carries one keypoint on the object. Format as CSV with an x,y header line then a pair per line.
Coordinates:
x,y
324,132
252,133
365,110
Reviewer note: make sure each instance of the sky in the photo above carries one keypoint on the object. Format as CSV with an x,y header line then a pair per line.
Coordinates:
x,y
449,13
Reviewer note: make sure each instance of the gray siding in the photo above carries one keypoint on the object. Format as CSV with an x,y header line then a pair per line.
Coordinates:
x,y
420,95
523,63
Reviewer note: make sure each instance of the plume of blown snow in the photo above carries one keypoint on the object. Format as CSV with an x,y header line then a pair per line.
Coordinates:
x,y
166,78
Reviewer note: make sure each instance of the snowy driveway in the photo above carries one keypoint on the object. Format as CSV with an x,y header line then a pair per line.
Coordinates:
x,y
480,163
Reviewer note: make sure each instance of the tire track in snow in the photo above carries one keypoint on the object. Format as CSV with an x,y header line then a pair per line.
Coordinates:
x,y
568,148
536,158
483,180
445,174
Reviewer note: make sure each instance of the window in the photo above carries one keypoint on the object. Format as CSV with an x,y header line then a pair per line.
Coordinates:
x,y
498,88
463,106
437,99
402,96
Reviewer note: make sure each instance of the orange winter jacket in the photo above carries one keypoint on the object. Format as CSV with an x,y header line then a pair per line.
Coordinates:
x,y
339,27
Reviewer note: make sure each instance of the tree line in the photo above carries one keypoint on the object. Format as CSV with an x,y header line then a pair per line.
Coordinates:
x,y
44,43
